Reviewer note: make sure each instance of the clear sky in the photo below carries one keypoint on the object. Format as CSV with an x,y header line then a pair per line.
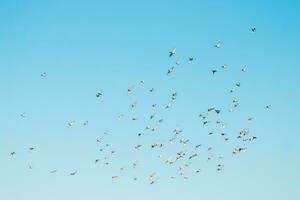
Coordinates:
x,y
90,46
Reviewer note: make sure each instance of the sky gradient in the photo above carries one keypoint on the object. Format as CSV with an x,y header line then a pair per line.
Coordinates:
x,y
90,46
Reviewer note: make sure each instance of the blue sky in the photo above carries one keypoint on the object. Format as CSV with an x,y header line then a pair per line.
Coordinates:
x,y
90,46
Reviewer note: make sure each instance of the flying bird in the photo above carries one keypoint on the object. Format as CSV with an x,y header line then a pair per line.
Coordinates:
x,y
73,173
43,75
23,115
99,94
172,52
218,45
191,59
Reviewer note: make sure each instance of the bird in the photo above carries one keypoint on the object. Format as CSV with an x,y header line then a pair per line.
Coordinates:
x,y
137,146
133,105
253,29
135,164
205,122
31,149
23,115
168,105
13,153
129,90
99,94
120,117
172,52
122,168
214,71
174,96
113,178
220,167
184,142
73,173
152,116
53,171
43,75
191,59
98,141
193,156
106,163
250,139
268,107
170,70
243,133
71,124
218,44
217,111
140,134
224,66
210,109
244,69
177,131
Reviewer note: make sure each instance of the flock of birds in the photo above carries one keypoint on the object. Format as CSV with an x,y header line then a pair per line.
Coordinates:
x,y
183,158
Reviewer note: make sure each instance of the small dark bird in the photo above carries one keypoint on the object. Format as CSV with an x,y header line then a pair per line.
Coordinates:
x,y
99,94
44,74
31,149
129,90
218,45
152,116
73,173
140,134
170,70
210,109
253,29
191,59
172,52
205,122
